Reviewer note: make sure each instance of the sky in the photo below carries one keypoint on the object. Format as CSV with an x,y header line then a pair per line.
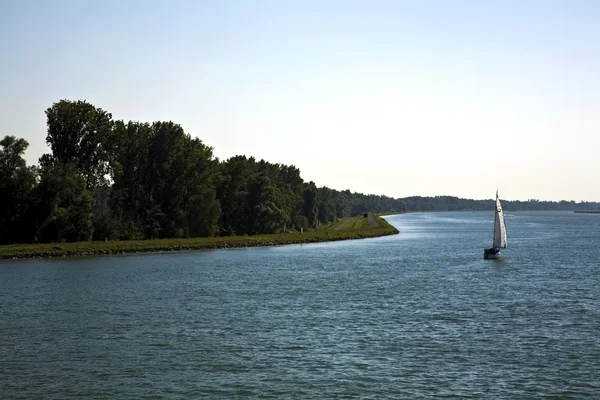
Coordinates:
x,y
400,98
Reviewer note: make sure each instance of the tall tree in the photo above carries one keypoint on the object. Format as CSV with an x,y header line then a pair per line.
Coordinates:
x,y
17,182
80,134
11,154
327,204
131,198
267,214
232,193
64,208
181,181
310,206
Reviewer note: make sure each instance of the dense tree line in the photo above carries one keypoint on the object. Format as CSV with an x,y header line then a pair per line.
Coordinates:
x,y
107,179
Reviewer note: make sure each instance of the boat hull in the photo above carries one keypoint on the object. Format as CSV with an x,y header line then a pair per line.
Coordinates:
x,y
491,254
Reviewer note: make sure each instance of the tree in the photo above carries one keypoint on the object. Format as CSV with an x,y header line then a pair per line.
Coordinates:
x,y
327,205
266,212
232,192
11,155
64,206
310,206
181,180
17,182
80,134
131,199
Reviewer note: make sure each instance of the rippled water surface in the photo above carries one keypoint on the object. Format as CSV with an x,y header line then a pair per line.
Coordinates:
x,y
416,315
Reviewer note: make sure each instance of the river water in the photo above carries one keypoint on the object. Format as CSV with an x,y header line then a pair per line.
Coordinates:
x,y
415,315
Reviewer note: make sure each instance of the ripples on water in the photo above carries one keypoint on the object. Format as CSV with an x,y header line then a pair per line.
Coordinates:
x,y
416,315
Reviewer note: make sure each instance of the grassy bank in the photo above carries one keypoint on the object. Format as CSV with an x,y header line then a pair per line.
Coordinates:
x,y
383,214
344,229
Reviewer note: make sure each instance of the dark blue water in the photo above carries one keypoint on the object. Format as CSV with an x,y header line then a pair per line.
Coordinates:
x,y
416,315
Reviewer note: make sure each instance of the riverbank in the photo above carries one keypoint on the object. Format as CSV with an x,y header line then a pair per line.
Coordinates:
x,y
343,229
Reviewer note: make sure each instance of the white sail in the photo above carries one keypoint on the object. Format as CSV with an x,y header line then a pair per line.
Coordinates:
x,y
499,227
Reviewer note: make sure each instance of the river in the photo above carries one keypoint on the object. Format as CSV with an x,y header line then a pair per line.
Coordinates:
x,y
414,315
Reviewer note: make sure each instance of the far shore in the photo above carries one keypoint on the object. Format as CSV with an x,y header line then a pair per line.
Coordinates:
x,y
343,229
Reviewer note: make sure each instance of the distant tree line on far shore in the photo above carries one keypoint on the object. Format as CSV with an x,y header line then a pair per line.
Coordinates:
x,y
116,180
450,203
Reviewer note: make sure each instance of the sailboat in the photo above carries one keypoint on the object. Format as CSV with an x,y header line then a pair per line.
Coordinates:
x,y
499,241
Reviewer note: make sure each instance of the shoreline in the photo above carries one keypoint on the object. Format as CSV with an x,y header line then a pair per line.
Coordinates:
x,y
78,249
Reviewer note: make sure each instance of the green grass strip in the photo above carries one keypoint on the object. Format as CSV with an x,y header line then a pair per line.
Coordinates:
x,y
352,230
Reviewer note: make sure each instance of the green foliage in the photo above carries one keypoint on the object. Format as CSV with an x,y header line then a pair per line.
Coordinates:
x,y
11,155
265,204
257,197
79,134
164,182
232,192
310,207
17,182
327,205
64,206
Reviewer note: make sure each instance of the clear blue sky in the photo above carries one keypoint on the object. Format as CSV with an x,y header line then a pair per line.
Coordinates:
x,y
388,97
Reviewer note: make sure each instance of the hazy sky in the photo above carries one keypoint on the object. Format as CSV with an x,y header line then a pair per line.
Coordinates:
x,y
389,97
